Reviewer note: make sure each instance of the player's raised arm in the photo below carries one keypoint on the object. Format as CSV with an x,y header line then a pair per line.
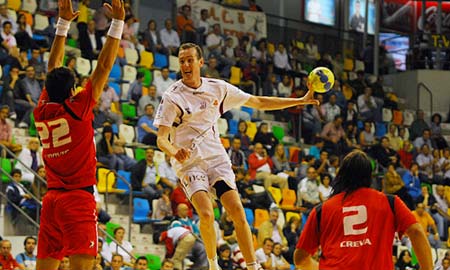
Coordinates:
x,y
66,15
109,51
277,103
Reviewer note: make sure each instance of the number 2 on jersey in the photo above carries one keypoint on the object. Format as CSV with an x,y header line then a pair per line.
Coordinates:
x,y
58,136
351,221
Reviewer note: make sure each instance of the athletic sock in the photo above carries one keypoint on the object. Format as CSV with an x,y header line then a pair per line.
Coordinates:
x,y
214,264
254,266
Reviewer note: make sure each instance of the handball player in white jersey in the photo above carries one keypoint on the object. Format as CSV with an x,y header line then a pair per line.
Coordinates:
x,y
187,121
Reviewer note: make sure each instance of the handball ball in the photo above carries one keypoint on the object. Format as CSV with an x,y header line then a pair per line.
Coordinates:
x,y
321,79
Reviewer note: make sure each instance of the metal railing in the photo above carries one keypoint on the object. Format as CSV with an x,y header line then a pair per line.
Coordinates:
x,y
420,86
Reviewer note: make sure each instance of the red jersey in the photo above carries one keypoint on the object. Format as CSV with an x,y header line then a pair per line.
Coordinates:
x,y
356,233
67,139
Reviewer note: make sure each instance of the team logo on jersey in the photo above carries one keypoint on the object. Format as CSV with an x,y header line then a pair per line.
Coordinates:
x,y
203,105
216,102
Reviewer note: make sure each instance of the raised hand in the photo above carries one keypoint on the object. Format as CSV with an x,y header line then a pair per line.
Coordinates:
x,y
117,9
309,97
66,11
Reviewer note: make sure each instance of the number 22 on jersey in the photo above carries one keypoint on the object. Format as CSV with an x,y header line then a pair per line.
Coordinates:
x,y
54,133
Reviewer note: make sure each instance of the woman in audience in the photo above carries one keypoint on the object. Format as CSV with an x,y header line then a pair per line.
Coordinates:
x,y
406,154
291,231
119,234
246,144
39,188
404,261
393,184
227,229
164,205
324,187
280,262
152,39
395,141
105,152
282,167
266,138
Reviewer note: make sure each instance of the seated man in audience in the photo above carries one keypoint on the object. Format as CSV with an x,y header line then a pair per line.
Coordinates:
x,y
135,90
116,262
210,69
427,222
18,196
426,163
442,207
168,177
6,259
412,181
260,168
330,109
385,155
162,82
26,95
146,130
308,190
424,139
144,176
264,255
183,220
108,98
141,263
249,197
333,134
167,264
31,158
6,136
169,38
270,229
150,98
237,156
27,259
368,108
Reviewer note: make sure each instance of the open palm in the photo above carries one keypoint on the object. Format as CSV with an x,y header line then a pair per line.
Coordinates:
x,y
66,11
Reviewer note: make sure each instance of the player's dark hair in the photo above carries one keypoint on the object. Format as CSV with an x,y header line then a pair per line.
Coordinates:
x,y
354,173
28,238
186,46
59,83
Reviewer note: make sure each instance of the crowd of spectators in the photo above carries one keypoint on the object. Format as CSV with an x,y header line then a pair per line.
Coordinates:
x,y
411,160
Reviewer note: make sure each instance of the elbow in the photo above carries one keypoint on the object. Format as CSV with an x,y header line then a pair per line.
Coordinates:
x,y
300,256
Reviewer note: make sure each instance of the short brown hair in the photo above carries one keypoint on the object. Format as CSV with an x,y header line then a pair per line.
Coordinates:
x,y
186,46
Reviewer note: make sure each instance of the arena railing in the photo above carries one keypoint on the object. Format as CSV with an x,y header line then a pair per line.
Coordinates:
x,y
423,86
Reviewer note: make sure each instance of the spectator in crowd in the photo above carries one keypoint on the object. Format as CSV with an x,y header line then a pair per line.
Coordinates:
x,y
324,187
39,188
424,139
442,210
145,176
7,261
368,108
427,199
145,129
183,219
406,154
350,113
316,148
241,53
426,221
168,177
18,196
169,38
90,41
330,109
27,95
214,41
266,138
71,63
246,144
150,98
177,197
5,16
129,38
30,157
270,229
224,259
312,122
393,184
227,231
281,60
27,259
325,61
249,197
163,208
385,155
333,134
179,243
105,151
141,263
117,261
282,167
100,118
185,25
444,164
445,264
8,39
167,264
152,39
64,264
203,26
412,181
38,64
418,125
9,83
108,98
135,90
6,136
260,168
237,156
426,163
259,51
395,141
280,262
308,190
436,131
285,86
311,49
119,235
162,82
264,254
210,69
367,137
291,231
404,261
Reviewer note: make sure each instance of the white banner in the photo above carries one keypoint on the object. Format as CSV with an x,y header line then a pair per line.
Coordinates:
x,y
235,22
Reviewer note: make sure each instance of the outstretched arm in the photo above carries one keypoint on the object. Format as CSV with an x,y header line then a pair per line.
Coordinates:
x,y
66,15
109,51
421,246
277,103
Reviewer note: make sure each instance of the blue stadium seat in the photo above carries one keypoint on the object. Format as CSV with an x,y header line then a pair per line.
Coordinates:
x,y
248,110
380,129
232,126
160,60
120,184
141,210
116,73
249,216
116,87
173,75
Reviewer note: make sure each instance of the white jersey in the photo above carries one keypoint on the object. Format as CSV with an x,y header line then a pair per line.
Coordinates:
x,y
193,114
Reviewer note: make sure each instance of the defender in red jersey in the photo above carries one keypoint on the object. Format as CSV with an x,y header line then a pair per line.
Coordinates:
x,y
355,227
64,123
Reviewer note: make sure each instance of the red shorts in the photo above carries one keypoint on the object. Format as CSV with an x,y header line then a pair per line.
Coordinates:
x,y
68,224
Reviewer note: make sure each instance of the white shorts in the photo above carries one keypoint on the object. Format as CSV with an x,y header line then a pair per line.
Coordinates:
x,y
203,174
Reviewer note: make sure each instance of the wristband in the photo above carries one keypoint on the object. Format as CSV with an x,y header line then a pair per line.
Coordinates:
x,y
116,29
62,27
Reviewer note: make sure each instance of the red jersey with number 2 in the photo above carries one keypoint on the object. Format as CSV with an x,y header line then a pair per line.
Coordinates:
x,y
68,143
356,232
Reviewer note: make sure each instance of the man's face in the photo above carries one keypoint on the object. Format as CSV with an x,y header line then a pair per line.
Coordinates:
x,y
17,177
7,29
236,144
6,248
167,266
212,63
30,245
116,262
3,10
420,209
149,110
91,26
33,144
273,217
267,247
426,134
190,65
152,91
259,149
141,265
440,190
385,143
311,173
168,24
183,211
30,72
149,154
165,73
4,113
35,54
